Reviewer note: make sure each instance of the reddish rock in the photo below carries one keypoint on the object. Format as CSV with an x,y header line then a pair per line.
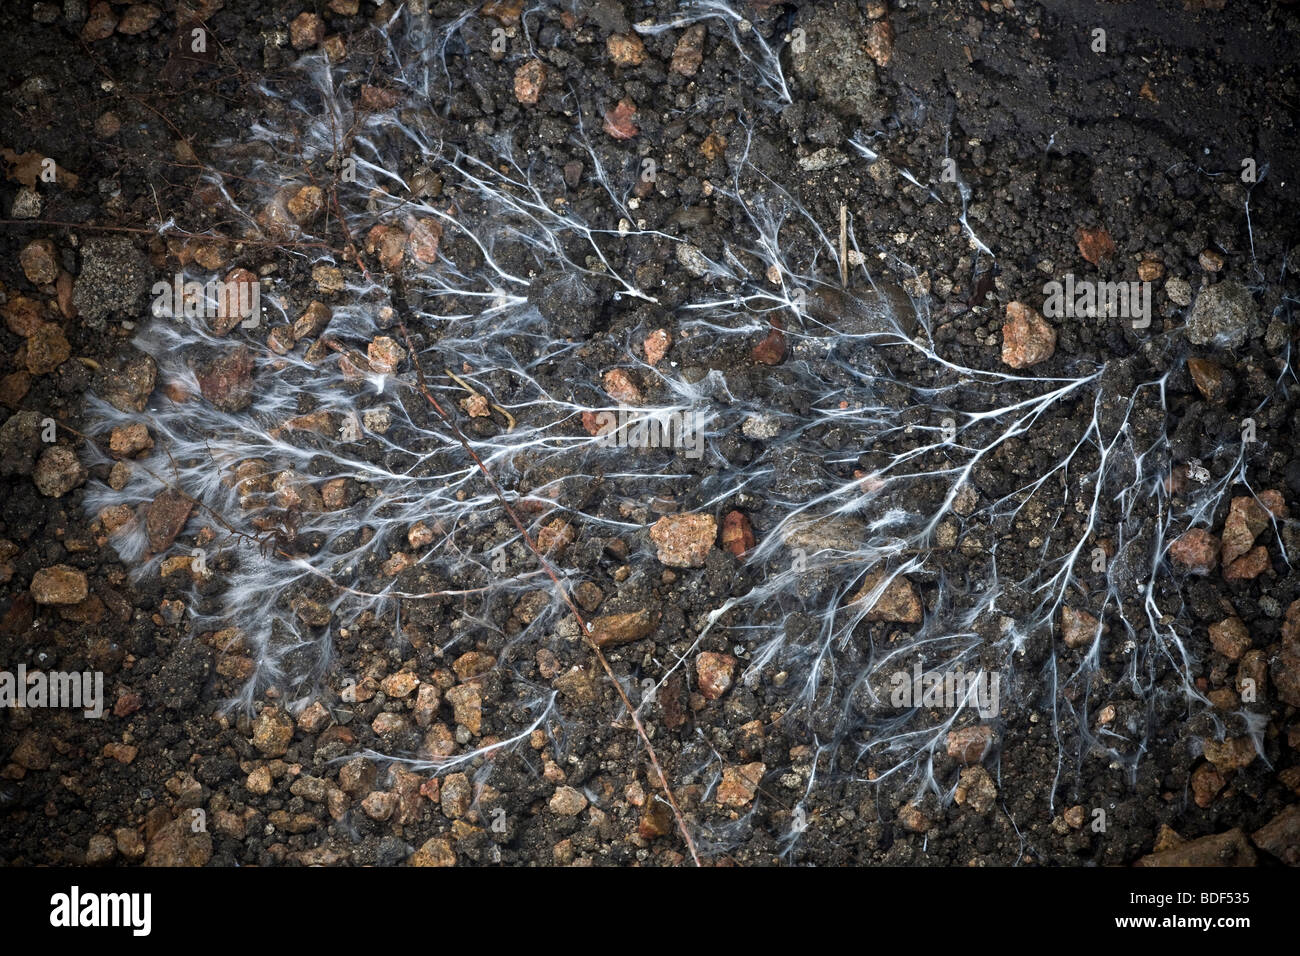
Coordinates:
x,y
1151,270
737,534
280,340
620,386
656,345
1206,784
567,802
473,664
23,315
976,789
40,261
913,819
312,321
619,120
115,517
612,629
389,244
1078,628
385,355
1224,699
59,584
437,852
504,12
427,701
334,494
210,255
376,98
426,235
1196,550
386,724
1291,624
138,18
1220,849
684,540
272,732
455,796
100,25
357,777
227,380
47,349
580,684
165,518
1209,378
1246,519
969,744
555,537
128,388
127,441
1273,503
313,718
688,54
1280,837
306,31
530,82
899,603
656,819
1230,638
880,42
175,843
467,707
1235,753
399,685
626,49
715,673
306,204
770,351
292,490
320,421
1096,245
1290,778
259,781
1252,675
1249,566
1027,338
739,784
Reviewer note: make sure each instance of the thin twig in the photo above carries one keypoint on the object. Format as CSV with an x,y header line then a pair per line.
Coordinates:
x,y
844,246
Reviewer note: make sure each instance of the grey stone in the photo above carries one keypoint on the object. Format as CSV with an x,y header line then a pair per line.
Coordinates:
x,y
1224,315
834,61
114,277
